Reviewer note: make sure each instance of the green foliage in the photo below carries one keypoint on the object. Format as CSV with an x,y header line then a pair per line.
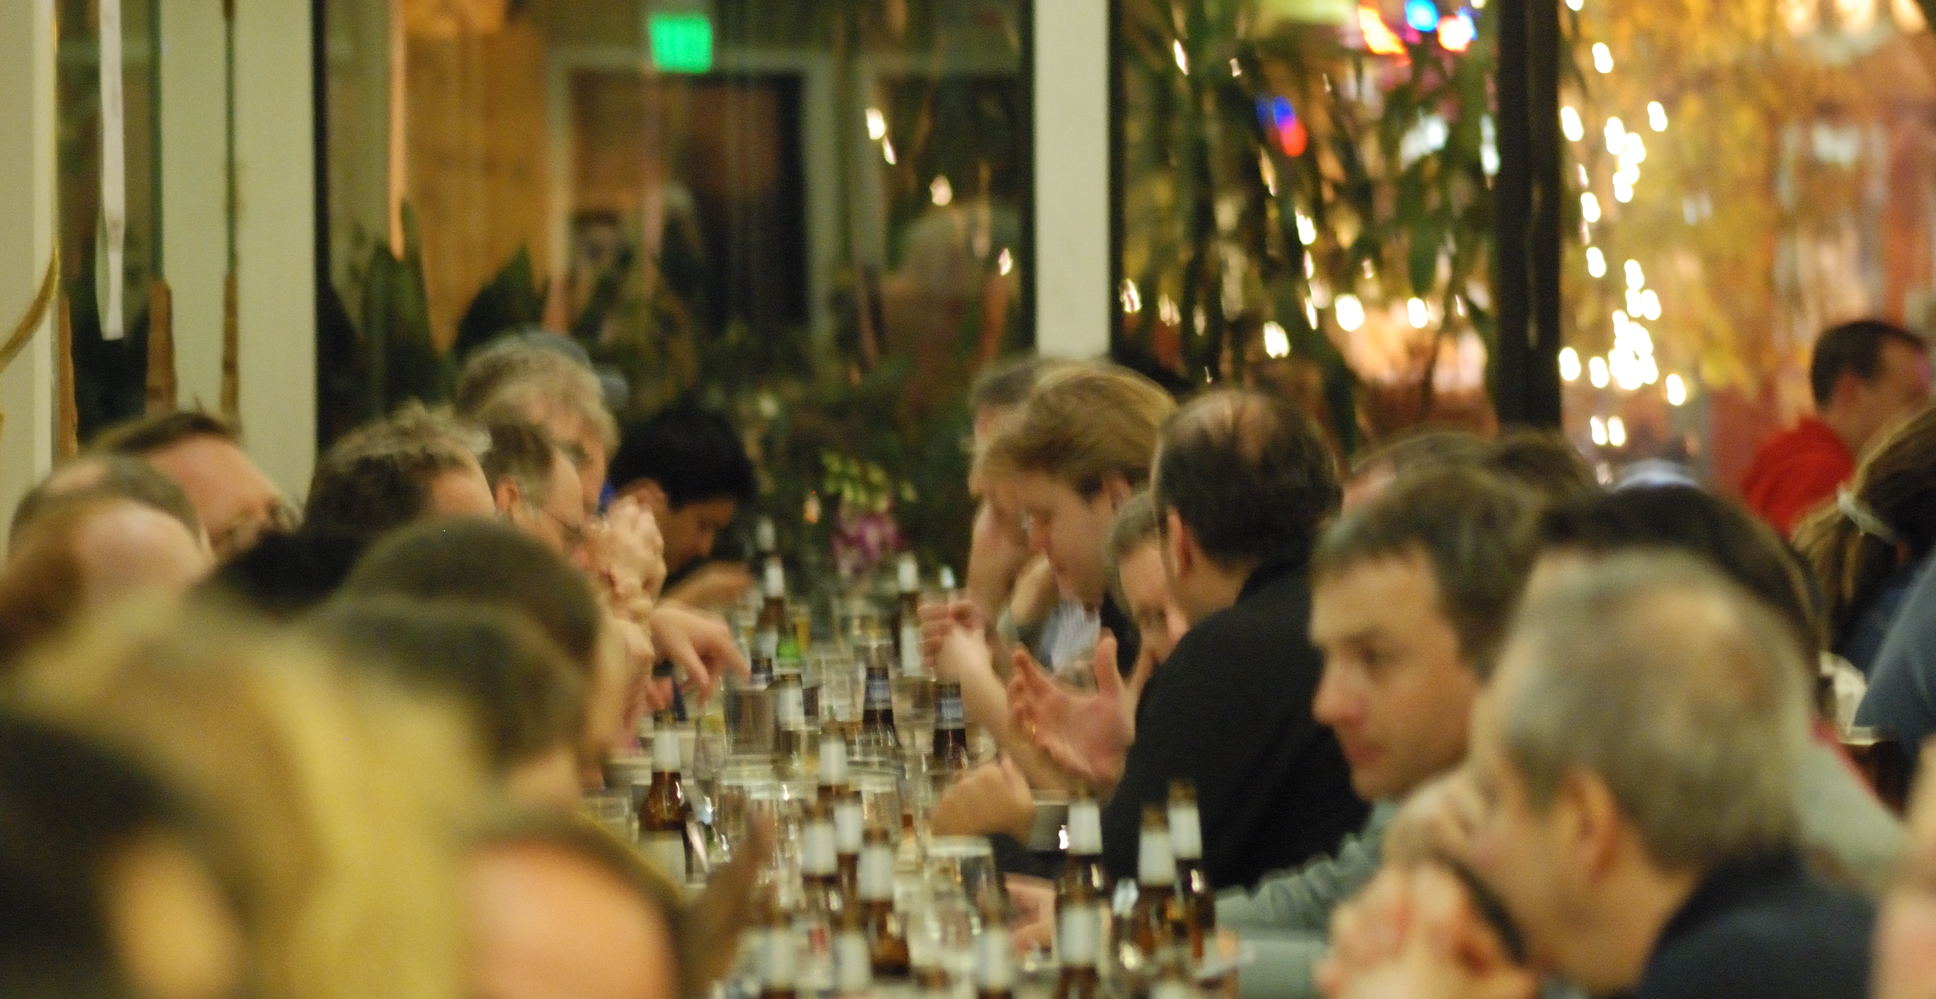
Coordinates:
x,y
1212,202
401,360
509,301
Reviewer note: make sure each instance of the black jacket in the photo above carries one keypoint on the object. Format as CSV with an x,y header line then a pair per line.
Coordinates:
x,y
1763,930
1231,710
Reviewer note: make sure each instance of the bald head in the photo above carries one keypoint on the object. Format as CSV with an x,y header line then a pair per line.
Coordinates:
x,y
1249,475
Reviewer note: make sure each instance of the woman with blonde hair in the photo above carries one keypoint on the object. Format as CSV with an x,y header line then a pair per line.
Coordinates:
x,y
337,805
1865,545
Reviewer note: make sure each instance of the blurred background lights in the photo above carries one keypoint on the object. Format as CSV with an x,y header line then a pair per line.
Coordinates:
x,y
1569,364
1277,343
1676,391
1351,313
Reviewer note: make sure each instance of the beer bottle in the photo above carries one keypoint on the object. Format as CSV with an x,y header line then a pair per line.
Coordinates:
x,y
1078,942
887,944
820,873
853,958
907,615
1173,980
664,812
994,951
950,733
779,954
878,741
1081,898
844,801
1152,920
1083,879
790,714
1196,899
821,903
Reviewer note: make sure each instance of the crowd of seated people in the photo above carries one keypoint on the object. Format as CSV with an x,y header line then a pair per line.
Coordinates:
x,y
1461,720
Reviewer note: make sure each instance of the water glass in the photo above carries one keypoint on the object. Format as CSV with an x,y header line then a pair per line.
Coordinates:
x,y
612,808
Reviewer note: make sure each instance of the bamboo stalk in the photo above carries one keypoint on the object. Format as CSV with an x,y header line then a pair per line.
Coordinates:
x,y
67,419
231,370
162,385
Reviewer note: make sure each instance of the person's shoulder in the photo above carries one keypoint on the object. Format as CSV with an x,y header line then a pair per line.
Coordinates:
x,y
1802,939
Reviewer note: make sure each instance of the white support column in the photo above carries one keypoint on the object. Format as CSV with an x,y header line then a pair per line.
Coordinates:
x,y
194,188
1073,309
27,239
276,236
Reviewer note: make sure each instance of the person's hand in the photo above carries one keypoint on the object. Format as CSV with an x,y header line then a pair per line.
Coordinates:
x,y
997,551
1086,732
713,585
1034,901
715,923
954,638
1436,820
699,644
642,692
628,551
1416,932
992,798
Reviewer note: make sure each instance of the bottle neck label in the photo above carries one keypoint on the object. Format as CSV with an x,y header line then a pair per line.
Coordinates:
x,y
853,965
780,960
877,873
1085,829
1186,832
762,671
818,848
1155,863
790,706
847,827
995,960
665,751
1078,929
833,762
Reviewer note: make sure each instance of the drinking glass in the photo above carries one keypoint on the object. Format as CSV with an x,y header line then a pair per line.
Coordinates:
x,y
968,863
612,808
840,683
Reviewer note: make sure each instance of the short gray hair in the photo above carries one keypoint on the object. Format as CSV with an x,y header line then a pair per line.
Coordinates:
x,y
1136,525
1677,689
538,382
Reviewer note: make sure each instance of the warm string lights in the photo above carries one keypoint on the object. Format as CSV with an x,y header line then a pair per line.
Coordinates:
x,y
1628,366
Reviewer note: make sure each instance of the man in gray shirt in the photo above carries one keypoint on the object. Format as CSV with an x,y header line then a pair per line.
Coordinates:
x,y
1410,596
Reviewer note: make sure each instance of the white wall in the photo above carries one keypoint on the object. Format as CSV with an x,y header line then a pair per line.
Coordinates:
x,y
1073,300
27,238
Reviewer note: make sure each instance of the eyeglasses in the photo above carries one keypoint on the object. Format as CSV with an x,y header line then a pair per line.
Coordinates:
x,y
574,534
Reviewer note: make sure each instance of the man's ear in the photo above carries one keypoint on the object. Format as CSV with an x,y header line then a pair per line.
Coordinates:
x,y
1117,490
1178,544
507,495
1590,823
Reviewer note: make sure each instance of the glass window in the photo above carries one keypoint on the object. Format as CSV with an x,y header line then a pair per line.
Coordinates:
x,y
810,214
1307,204
1747,173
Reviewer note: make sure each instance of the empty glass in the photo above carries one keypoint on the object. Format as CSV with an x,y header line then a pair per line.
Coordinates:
x,y
612,808
968,863
840,683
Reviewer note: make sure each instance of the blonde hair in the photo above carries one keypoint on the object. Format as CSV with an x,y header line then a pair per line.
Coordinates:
x,y
1081,424
337,805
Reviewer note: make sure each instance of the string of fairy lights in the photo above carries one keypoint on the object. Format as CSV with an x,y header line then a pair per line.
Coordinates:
x,y
1629,365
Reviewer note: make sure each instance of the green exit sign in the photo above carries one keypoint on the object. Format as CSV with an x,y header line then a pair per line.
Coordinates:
x,y
681,43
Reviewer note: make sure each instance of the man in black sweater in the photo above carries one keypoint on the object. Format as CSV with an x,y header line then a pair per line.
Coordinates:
x,y
1631,779
1241,483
